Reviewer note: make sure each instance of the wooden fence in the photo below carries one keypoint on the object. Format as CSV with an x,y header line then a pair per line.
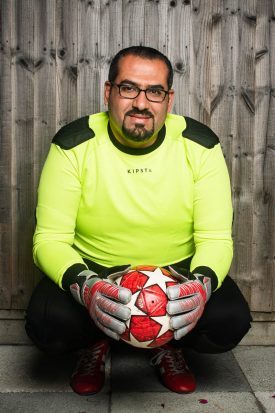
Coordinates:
x,y
55,56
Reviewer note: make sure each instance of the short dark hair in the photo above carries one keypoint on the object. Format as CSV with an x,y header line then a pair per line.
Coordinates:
x,y
143,52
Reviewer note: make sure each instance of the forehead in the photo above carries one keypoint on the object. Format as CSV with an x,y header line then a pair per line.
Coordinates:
x,y
142,71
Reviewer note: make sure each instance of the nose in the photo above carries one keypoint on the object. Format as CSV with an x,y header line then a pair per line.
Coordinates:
x,y
141,102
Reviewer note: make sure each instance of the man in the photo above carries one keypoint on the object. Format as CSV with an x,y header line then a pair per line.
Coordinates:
x,y
134,185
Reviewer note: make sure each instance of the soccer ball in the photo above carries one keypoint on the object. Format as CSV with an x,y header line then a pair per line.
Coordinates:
x,y
149,324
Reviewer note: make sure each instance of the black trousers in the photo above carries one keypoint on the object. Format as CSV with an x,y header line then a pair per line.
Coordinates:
x,y
56,323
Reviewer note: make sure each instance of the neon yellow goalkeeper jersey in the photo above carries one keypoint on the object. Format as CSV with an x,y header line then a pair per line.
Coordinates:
x,y
101,201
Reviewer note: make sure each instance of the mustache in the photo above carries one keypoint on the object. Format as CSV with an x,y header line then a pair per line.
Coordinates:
x,y
144,112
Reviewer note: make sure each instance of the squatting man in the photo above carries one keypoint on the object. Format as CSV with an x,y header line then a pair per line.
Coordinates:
x,y
131,186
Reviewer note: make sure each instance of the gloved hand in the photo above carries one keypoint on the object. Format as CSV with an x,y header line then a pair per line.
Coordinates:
x,y
186,301
104,300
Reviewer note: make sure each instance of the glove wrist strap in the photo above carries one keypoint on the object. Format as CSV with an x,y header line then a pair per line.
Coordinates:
x,y
84,279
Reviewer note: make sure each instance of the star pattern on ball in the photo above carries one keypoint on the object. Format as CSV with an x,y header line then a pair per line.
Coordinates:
x,y
134,309
136,343
156,277
163,322
149,324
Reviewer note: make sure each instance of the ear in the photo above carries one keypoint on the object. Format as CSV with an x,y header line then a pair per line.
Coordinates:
x,y
170,99
107,91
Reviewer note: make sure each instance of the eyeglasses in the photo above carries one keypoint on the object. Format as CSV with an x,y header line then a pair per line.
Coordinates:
x,y
153,94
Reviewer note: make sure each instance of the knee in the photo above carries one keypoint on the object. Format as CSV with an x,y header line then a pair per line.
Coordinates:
x,y
230,330
223,337
240,325
39,331
46,320
55,322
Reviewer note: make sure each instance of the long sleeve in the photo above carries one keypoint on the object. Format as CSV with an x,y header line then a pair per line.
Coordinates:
x,y
212,215
58,200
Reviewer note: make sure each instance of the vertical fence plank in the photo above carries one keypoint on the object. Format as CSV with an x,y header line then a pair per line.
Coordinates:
x,y
181,53
88,83
242,168
201,27
66,61
22,151
44,82
111,39
269,164
224,113
261,278
216,86
133,23
5,155
155,24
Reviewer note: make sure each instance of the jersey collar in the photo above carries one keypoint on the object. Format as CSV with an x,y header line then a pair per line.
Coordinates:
x,y
137,151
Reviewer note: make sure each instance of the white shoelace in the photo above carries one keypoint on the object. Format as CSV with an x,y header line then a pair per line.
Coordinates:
x,y
174,360
88,360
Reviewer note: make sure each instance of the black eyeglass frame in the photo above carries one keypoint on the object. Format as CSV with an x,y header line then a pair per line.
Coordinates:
x,y
140,90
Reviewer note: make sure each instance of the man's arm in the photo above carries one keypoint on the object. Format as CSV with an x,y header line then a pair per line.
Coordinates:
x,y
212,218
58,200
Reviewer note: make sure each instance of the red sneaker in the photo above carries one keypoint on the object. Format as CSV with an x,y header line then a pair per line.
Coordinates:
x,y
173,370
89,375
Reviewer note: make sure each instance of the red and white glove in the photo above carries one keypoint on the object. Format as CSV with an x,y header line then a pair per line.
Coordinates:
x,y
104,301
186,301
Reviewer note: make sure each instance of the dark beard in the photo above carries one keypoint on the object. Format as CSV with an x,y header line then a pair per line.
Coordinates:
x,y
138,133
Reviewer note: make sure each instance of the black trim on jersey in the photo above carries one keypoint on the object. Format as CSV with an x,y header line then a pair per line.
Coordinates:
x,y
74,133
200,133
137,151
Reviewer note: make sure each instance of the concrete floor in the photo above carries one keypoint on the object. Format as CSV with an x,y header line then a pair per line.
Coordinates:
x,y
241,381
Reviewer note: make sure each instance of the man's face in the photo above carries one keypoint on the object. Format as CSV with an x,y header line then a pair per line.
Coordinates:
x,y
136,122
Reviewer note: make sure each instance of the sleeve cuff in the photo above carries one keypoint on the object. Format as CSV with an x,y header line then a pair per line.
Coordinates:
x,y
70,275
207,272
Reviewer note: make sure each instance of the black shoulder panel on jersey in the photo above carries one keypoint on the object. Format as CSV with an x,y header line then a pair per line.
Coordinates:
x,y
200,133
74,133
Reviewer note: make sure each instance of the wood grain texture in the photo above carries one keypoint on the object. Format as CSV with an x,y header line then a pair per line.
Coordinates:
x,y
242,166
66,61
269,163
181,53
44,81
5,156
55,57
88,65
261,276
22,158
